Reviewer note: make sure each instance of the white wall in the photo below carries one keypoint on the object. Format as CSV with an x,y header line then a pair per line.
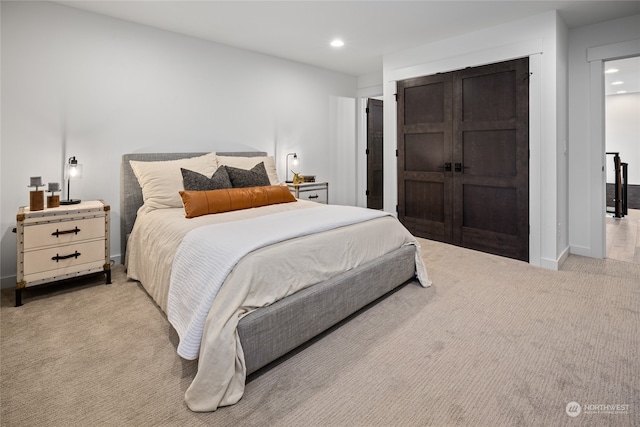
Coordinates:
x,y
586,151
343,151
80,84
543,39
623,133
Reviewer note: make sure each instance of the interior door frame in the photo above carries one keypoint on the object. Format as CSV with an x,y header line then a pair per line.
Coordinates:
x,y
596,56
533,49
443,116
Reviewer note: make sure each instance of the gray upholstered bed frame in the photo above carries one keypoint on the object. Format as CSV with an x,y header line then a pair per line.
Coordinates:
x,y
268,333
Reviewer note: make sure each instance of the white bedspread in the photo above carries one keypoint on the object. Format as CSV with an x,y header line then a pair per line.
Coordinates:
x,y
261,278
195,279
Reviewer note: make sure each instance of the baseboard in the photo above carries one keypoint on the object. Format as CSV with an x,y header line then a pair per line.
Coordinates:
x,y
555,264
563,256
549,264
580,250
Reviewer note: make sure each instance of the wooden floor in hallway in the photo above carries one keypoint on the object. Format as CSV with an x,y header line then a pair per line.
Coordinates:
x,y
623,237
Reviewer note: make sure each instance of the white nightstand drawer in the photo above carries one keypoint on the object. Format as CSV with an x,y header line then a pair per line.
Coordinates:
x,y
313,191
63,232
319,195
66,259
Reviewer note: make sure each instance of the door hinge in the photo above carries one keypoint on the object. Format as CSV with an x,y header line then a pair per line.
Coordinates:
x,y
396,153
367,192
397,209
396,95
366,110
367,152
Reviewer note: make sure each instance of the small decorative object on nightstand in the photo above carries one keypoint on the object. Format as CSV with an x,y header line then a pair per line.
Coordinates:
x,y
314,191
53,201
61,243
36,197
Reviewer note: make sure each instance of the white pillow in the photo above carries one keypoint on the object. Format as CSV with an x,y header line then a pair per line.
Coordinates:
x,y
161,181
249,162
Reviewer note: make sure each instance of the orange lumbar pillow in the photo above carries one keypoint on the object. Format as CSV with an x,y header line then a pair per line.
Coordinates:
x,y
197,203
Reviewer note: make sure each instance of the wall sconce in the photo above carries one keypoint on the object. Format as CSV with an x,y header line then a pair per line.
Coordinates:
x,y
295,163
72,171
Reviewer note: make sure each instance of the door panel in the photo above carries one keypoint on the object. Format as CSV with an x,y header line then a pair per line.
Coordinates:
x,y
424,152
489,153
427,93
425,201
424,148
491,142
463,166
374,154
499,216
488,97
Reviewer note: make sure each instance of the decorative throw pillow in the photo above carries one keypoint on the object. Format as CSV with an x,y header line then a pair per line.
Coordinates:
x,y
198,182
161,181
254,177
249,162
198,203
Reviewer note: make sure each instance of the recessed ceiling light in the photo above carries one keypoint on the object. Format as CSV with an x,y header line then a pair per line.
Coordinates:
x,y
621,91
617,83
612,70
337,43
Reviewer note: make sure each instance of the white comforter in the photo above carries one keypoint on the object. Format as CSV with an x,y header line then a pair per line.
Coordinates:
x,y
259,279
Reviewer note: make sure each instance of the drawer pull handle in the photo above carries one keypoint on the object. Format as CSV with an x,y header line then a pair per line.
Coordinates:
x,y
57,233
315,196
57,258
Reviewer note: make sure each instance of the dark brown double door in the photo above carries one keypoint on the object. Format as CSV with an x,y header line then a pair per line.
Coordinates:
x,y
463,157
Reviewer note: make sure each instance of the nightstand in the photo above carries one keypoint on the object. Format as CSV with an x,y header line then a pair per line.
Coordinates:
x,y
61,243
314,191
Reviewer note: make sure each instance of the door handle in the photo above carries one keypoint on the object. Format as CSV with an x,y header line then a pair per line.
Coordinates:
x,y
447,167
57,233
459,167
58,257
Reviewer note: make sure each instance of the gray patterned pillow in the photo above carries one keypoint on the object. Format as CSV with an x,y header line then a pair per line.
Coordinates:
x,y
194,181
254,177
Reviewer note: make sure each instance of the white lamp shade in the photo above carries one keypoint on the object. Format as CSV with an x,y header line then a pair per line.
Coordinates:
x,y
73,171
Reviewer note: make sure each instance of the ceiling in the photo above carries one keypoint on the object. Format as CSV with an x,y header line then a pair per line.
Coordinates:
x,y
301,30
626,79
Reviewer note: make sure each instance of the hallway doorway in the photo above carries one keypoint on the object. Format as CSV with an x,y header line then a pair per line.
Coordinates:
x,y
622,139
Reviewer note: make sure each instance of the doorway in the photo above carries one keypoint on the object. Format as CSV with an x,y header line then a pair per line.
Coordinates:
x,y
463,157
622,162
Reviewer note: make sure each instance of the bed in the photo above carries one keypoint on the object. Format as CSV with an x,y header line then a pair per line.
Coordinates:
x,y
269,326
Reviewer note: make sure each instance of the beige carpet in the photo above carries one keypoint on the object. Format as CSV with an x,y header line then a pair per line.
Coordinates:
x,y
494,342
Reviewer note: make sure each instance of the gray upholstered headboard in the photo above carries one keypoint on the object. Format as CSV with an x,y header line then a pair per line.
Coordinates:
x,y
131,193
